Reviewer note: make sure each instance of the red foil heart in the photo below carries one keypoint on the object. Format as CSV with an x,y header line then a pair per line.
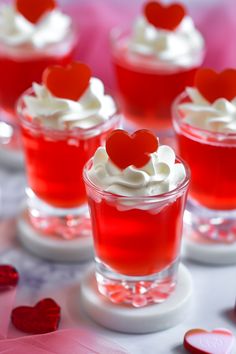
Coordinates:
x,y
70,82
213,85
125,150
9,277
166,17
44,317
33,10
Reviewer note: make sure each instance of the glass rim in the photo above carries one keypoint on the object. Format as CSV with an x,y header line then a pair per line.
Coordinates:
x,y
180,188
177,120
113,119
117,31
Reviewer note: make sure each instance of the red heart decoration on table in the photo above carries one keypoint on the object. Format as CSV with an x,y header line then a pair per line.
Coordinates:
x,y
9,277
70,82
33,10
167,17
44,317
213,85
199,341
125,150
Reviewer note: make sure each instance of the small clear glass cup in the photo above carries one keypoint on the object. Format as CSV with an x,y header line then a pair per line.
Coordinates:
x,y
146,87
211,208
137,242
20,66
56,196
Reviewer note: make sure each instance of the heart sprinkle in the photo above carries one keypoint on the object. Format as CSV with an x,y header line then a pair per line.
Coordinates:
x,y
9,277
125,150
68,83
44,317
34,10
213,85
218,341
166,17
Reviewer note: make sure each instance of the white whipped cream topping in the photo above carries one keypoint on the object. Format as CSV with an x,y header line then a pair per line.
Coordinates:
x,y
16,30
92,108
219,116
179,47
160,175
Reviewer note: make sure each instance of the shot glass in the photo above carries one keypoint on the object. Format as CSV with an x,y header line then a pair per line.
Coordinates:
x,y
20,66
56,197
146,87
137,242
211,208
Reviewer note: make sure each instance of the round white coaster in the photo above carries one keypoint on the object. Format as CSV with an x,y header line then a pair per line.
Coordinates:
x,y
11,158
128,319
209,252
76,250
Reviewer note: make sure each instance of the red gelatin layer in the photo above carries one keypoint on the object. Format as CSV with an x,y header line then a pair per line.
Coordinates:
x,y
137,242
55,162
146,93
19,72
213,173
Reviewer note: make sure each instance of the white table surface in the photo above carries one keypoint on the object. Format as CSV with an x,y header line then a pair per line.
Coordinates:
x,y
212,304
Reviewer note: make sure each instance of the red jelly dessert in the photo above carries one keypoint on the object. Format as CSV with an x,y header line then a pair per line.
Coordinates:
x,y
31,39
136,201
154,62
204,120
61,134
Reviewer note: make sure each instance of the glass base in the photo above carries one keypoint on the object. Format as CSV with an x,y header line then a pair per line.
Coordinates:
x,y
57,222
128,319
215,225
10,136
136,291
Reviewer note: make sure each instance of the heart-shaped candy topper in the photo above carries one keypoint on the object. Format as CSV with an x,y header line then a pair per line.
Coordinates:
x,y
33,10
214,85
8,277
199,341
70,82
125,150
166,17
44,317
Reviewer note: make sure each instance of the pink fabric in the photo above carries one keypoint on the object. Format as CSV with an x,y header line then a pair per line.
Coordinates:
x,y
7,299
81,340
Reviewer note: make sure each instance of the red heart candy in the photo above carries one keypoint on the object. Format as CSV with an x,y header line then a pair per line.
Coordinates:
x,y
8,277
125,150
44,317
70,82
199,341
214,85
34,10
167,17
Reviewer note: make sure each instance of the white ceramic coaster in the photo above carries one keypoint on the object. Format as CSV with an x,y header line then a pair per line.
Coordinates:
x,y
76,250
128,319
206,251
11,158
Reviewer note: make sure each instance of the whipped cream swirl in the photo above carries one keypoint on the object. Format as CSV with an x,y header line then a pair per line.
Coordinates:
x,y
181,47
16,30
160,175
219,116
92,108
